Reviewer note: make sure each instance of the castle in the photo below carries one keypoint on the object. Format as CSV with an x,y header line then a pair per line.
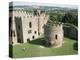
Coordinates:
x,y
27,26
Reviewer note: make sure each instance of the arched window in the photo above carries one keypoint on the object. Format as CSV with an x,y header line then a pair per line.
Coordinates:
x,y
30,25
55,36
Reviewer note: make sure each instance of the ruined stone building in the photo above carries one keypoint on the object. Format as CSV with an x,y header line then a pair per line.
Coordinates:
x,y
54,34
26,26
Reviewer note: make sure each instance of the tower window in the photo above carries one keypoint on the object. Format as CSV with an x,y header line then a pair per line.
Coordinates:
x,y
30,24
55,36
33,36
35,32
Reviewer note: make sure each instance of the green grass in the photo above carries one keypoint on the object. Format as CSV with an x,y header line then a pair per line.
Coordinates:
x,y
33,49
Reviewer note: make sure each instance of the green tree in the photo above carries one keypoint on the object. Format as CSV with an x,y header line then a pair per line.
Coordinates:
x,y
70,17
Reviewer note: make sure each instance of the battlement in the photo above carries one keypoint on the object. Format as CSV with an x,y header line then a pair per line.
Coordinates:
x,y
27,12
57,24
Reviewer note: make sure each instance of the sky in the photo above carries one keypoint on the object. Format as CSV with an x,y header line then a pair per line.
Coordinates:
x,y
43,4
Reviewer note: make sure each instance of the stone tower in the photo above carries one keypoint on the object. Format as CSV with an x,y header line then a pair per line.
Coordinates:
x,y
55,35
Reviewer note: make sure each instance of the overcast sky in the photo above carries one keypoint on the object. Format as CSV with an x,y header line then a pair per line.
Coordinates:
x,y
44,4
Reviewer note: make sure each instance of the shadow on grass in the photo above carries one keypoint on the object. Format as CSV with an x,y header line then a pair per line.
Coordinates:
x,y
75,46
39,41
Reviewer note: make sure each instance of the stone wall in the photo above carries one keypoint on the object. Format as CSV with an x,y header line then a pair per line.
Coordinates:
x,y
71,32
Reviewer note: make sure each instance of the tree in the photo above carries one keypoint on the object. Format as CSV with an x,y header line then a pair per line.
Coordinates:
x,y
70,17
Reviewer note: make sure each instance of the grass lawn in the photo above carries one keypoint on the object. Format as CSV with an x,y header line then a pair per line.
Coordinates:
x,y
33,49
